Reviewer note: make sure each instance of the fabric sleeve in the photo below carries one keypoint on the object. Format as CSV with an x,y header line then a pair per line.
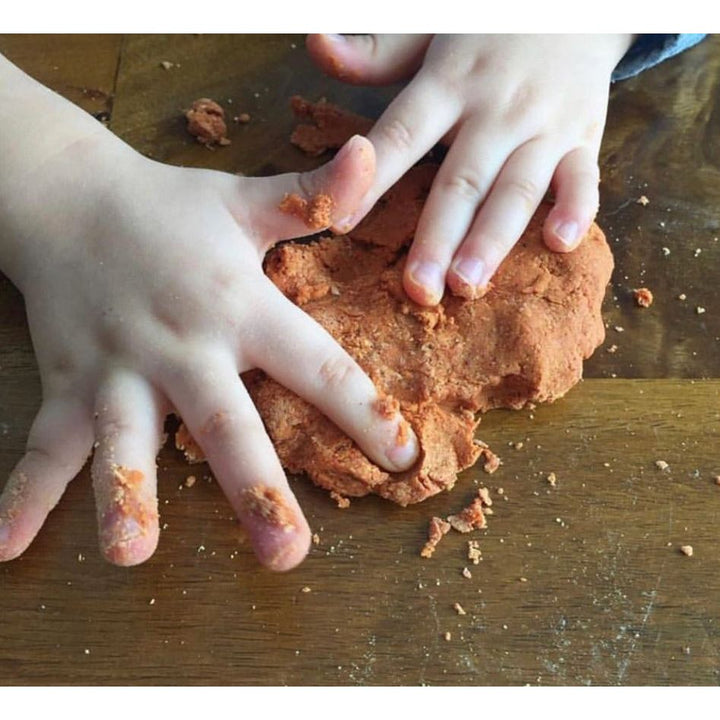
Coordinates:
x,y
649,50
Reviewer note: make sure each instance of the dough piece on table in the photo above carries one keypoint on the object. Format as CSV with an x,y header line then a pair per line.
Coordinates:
x,y
328,126
206,122
523,342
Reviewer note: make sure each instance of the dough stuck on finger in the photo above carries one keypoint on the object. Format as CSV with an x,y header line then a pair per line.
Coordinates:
x,y
127,516
268,504
316,212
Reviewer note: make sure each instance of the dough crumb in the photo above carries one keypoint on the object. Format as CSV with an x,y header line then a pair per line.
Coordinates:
x,y
459,609
242,118
643,200
474,552
661,465
686,550
448,636
269,504
552,479
341,501
469,518
437,529
466,573
206,122
190,481
643,297
491,461
315,539
186,443
315,213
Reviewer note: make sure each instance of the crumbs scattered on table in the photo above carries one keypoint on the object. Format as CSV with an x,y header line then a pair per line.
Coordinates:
x,y
643,297
643,200
551,479
612,349
190,481
619,328
474,552
661,465
448,636
699,310
466,573
242,118
306,589
666,251
459,609
167,65
315,539
686,550
682,296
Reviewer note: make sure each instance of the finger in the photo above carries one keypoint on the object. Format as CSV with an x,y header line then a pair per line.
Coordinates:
x,y
576,200
368,59
128,429
59,443
460,186
507,210
222,419
297,204
412,124
327,377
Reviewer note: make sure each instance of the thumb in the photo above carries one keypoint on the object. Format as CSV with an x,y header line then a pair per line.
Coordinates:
x,y
297,204
368,59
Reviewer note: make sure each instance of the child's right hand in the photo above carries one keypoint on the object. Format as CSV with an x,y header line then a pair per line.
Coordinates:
x,y
145,294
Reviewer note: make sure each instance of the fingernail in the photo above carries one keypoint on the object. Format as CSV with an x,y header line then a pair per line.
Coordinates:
x,y
567,233
429,276
470,270
345,225
404,451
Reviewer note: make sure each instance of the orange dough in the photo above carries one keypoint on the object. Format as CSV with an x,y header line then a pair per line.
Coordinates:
x,y
206,121
524,341
327,126
316,213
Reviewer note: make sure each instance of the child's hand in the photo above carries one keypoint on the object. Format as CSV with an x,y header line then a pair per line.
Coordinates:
x,y
520,112
145,293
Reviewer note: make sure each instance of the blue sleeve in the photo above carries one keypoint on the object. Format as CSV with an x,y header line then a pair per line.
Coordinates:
x,y
649,50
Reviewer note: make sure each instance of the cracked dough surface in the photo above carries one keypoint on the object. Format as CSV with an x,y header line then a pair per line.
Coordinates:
x,y
524,341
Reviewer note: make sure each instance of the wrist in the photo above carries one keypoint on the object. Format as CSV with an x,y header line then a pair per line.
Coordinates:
x,y
57,163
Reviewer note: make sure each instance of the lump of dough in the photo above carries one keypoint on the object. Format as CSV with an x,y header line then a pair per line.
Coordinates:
x,y
523,342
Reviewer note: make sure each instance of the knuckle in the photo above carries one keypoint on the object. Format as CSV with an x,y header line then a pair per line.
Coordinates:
x,y
398,133
466,184
336,371
527,190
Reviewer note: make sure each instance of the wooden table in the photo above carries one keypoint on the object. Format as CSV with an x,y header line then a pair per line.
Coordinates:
x,y
581,583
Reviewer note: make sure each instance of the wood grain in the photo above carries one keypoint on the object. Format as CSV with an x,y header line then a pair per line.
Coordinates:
x,y
582,583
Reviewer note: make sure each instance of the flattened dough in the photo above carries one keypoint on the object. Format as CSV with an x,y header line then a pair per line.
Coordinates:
x,y
524,341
